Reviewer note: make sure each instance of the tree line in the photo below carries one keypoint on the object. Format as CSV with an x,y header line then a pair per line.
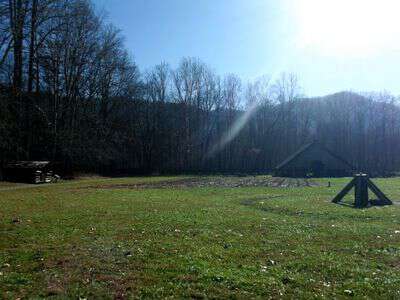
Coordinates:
x,y
70,92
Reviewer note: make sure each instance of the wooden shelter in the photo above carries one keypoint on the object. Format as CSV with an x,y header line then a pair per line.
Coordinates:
x,y
313,160
28,171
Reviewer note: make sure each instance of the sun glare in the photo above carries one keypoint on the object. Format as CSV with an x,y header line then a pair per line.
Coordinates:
x,y
347,27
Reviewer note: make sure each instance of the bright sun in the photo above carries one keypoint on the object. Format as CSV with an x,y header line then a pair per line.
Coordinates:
x,y
347,27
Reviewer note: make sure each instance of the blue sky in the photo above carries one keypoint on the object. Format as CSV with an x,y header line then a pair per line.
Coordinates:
x,y
330,45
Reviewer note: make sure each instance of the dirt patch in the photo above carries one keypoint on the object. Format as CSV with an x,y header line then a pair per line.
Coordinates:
x,y
221,182
254,201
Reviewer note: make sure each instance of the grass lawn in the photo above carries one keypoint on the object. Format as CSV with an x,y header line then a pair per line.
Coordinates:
x,y
102,238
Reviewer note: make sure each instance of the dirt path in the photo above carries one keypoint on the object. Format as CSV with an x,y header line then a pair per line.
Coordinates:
x,y
22,187
194,182
222,182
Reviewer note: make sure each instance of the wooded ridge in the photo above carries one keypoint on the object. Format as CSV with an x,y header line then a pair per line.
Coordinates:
x,y
70,92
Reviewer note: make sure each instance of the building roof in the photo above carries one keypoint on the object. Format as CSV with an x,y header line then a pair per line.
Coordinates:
x,y
26,164
304,148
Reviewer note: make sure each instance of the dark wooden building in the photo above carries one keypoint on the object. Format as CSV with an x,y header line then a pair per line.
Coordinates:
x,y
314,160
28,171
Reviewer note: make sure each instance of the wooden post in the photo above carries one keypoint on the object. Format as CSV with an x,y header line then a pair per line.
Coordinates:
x,y
361,191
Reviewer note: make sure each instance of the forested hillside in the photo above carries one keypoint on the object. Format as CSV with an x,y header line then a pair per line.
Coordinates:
x,y
71,92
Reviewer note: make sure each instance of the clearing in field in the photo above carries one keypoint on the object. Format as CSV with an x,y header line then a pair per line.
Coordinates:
x,y
196,237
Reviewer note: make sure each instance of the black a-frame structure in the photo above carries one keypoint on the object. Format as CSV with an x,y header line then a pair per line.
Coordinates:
x,y
361,184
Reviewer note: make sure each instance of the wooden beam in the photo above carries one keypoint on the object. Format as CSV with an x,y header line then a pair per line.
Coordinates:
x,y
345,190
381,196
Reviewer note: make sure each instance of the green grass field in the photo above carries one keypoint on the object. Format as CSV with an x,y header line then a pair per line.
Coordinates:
x,y
102,238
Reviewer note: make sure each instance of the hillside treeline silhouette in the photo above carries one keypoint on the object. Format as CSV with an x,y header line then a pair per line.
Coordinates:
x,y
71,92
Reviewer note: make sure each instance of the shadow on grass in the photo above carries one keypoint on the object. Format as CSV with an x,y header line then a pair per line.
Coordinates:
x,y
371,203
322,215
